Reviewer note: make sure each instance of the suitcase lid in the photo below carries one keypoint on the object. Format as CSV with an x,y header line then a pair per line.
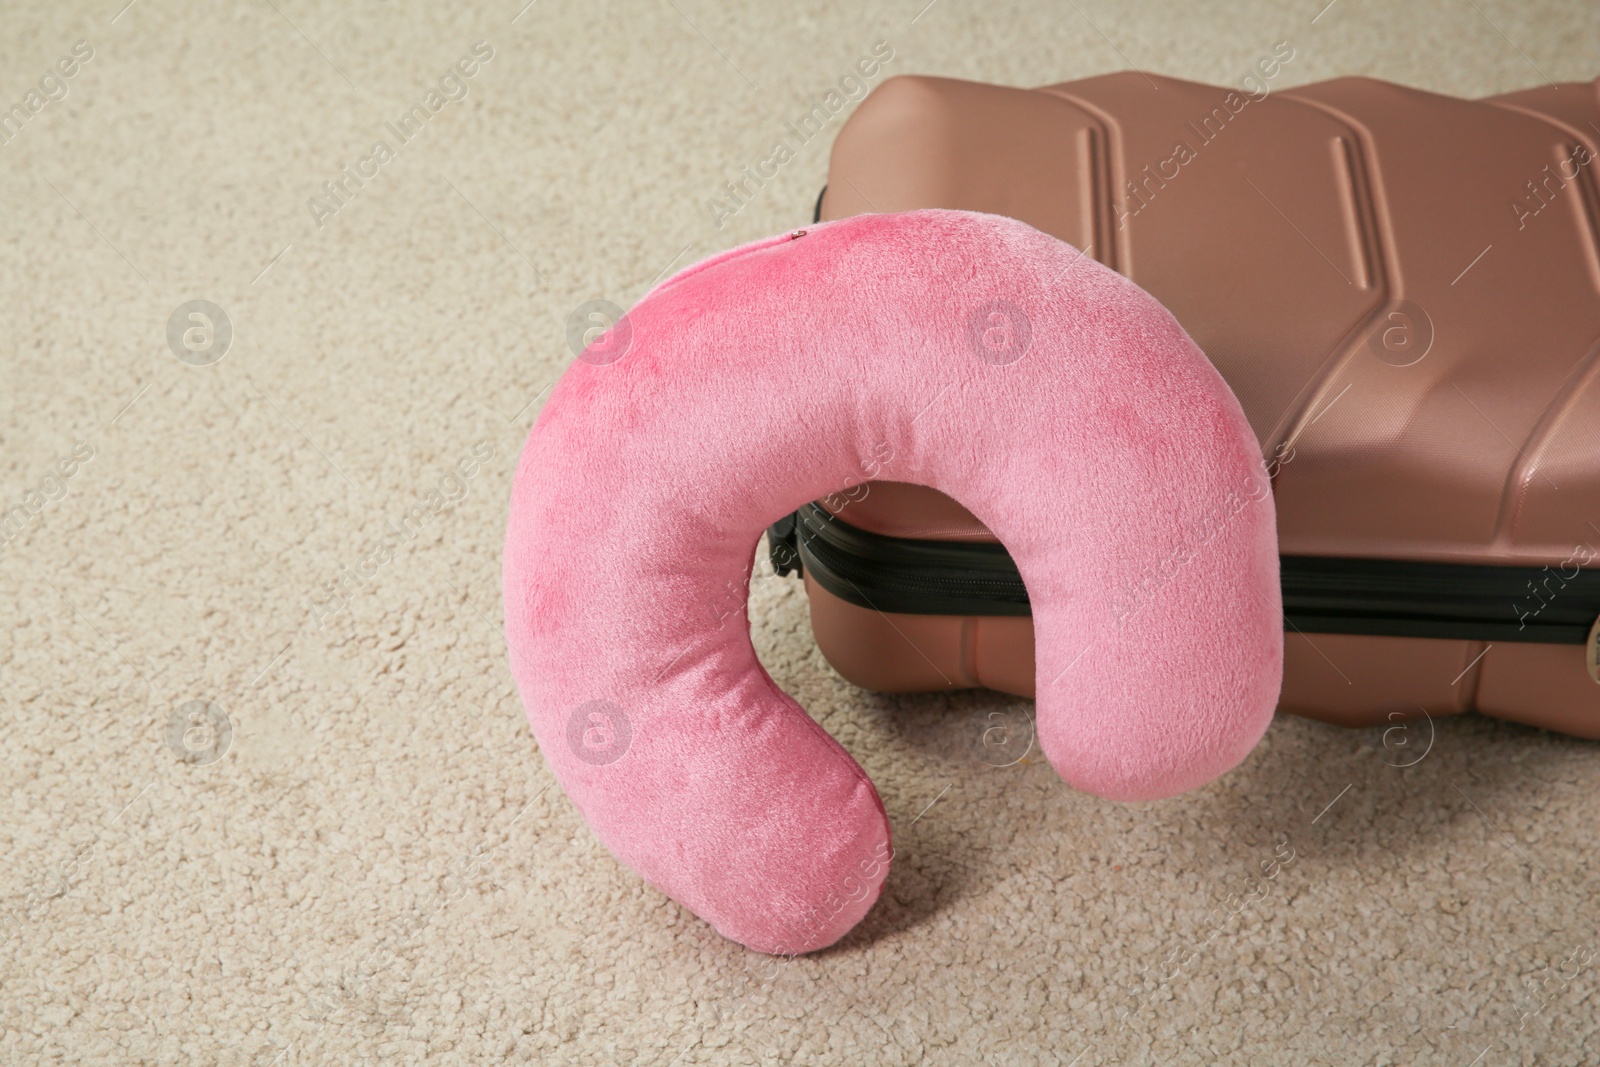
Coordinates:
x,y
1417,348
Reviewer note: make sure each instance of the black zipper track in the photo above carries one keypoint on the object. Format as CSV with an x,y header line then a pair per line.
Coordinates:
x,y
913,577
1392,598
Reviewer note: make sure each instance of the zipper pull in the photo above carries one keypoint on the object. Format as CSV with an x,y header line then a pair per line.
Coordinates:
x,y
1591,651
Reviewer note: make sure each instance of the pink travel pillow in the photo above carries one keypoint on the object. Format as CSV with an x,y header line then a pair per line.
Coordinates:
x,y
1053,398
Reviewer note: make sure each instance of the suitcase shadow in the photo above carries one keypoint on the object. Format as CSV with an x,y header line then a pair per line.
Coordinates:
x,y
1375,796
974,806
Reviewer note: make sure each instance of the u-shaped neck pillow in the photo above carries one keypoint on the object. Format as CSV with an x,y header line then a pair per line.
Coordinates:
x,y
1057,401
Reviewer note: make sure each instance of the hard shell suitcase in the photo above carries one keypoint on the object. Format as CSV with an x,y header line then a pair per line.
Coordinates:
x,y
1403,290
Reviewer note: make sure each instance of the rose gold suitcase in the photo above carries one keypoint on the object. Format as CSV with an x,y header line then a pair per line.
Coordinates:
x,y
1402,288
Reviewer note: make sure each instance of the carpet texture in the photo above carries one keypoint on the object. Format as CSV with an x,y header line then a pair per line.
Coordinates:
x,y
284,287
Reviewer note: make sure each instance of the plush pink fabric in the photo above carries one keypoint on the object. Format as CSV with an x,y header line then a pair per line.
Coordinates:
x,y
1055,399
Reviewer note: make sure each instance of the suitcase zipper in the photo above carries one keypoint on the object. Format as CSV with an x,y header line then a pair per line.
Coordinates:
x,y
1380,597
898,574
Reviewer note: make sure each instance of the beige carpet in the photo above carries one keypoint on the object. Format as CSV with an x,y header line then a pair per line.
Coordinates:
x,y
349,850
